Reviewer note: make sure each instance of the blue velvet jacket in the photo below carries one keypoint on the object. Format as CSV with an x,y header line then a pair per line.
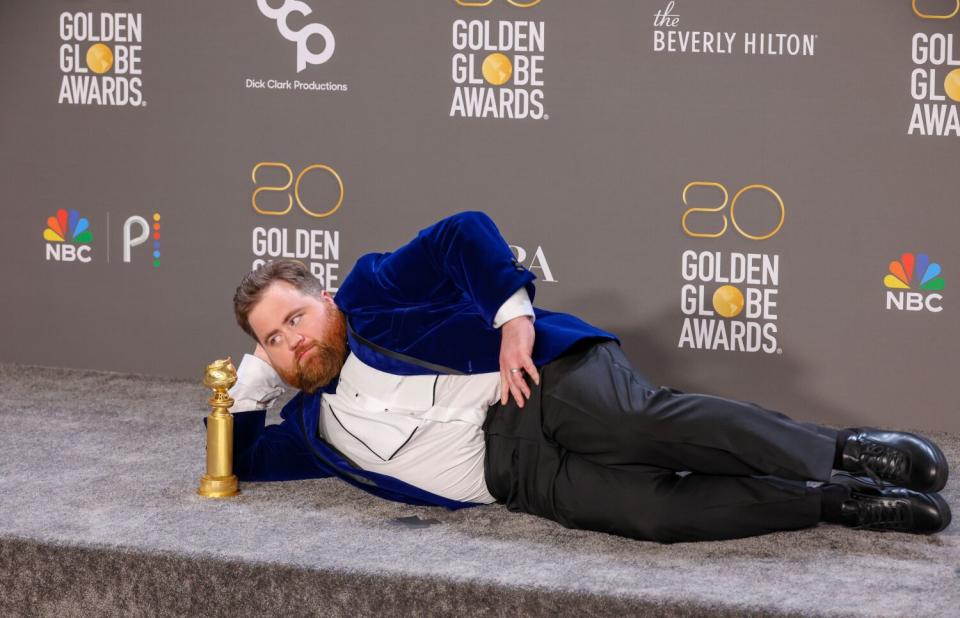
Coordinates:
x,y
434,299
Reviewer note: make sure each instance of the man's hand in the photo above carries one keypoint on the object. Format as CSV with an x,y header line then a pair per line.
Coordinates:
x,y
516,349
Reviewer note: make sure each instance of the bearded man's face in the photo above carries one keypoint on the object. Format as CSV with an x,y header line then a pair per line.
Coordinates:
x,y
304,336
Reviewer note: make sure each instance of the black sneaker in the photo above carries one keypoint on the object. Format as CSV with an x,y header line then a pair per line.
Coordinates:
x,y
891,508
897,458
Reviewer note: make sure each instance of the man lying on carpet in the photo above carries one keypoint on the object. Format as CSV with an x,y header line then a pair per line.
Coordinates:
x,y
431,379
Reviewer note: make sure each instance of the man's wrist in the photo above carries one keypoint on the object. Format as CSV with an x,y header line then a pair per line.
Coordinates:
x,y
517,322
516,306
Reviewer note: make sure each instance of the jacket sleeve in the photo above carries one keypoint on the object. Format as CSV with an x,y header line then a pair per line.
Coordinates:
x,y
270,452
463,254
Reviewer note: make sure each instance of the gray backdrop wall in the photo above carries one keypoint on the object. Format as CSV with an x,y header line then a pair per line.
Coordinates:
x,y
755,194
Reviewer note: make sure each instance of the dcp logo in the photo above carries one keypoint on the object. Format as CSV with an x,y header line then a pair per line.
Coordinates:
x,y
300,37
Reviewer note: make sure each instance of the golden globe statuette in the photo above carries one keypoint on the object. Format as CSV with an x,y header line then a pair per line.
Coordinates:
x,y
219,481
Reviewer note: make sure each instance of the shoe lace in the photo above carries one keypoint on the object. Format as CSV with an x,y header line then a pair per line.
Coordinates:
x,y
880,459
883,513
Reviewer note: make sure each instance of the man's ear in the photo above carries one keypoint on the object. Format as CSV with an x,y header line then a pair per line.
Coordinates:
x,y
326,296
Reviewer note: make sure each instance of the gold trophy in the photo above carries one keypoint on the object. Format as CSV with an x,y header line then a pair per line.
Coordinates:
x,y
219,481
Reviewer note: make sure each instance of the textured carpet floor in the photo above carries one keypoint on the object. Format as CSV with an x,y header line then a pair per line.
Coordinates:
x,y
99,514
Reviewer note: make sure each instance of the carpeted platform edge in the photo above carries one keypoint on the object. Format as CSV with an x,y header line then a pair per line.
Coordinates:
x,y
44,579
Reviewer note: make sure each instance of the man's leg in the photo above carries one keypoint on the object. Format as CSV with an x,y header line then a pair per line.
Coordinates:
x,y
533,470
532,475
596,404
649,503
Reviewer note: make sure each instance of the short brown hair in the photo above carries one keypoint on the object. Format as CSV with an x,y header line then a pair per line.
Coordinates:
x,y
256,281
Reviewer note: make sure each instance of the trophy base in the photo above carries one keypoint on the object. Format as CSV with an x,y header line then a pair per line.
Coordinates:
x,y
218,486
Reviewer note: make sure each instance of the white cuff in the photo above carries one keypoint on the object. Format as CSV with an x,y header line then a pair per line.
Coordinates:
x,y
258,385
518,304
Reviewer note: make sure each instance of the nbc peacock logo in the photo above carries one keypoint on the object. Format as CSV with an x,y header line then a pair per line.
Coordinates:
x,y
68,237
913,284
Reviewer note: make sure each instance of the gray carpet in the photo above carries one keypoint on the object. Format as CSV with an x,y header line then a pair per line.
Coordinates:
x,y
100,515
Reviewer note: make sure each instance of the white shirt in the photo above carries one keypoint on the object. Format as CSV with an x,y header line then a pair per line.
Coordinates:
x,y
424,430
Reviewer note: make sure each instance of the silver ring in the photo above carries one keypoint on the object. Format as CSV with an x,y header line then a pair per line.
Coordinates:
x,y
515,370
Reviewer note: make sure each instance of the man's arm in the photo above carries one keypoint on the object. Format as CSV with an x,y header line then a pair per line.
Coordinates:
x,y
464,254
515,321
517,305
264,452
258,385
270,452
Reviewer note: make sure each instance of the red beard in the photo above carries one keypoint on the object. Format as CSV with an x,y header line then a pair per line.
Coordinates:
x,y
317,369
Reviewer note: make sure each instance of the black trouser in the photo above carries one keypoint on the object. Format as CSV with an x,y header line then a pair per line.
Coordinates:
x,y
598,447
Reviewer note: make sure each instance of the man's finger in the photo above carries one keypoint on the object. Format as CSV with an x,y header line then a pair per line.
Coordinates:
x,y
522,383
519,380
532,370
504,389
517,394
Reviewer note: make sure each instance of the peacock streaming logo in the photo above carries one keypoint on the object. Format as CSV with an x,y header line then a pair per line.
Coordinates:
x,y
497,65
138,231
68,237
913,284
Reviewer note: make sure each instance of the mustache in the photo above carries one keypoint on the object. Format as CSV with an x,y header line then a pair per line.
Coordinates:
x,y
326,353
301,350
